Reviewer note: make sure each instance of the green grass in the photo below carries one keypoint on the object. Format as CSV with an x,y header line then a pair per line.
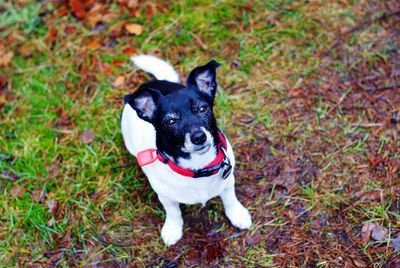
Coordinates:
x,y
105,209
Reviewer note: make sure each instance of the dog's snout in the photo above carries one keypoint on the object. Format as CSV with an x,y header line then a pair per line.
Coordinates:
x,y
198,137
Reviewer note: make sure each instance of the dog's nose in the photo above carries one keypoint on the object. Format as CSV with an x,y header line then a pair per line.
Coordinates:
x,y
198,137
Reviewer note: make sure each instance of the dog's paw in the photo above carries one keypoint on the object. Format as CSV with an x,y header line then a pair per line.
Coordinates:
x,y
239,216
171,233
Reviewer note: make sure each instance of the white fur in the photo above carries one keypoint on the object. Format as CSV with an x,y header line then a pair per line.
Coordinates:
x,y
161,70
173,188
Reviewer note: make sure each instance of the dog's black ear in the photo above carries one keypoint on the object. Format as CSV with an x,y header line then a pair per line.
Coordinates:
x,y
144,103
203,78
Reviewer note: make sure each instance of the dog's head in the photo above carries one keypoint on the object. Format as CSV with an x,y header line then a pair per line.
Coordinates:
x,y
182,116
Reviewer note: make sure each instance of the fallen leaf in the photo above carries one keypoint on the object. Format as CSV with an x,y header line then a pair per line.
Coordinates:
x,y
374,230
51,204
5,57
192,255
366,231
379,233
132,5
375,159
38,195
98,14
359,263
87,136
3,82
104,68
62,11
369,196
118,82
134,28
9,175
212,251
51,222
80,8
117,62
16,192
51,37
129,51
150,12
297,92
93,45
69,29
396,244
254,239
56,255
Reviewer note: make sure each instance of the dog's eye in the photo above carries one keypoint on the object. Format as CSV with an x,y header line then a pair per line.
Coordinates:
x,y
170,122
203,109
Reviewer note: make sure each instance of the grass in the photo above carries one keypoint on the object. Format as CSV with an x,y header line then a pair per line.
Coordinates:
x,y
308,170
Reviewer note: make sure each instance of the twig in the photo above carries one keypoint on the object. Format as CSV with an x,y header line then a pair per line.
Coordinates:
x,y
389,87
198,39
166,28
367,125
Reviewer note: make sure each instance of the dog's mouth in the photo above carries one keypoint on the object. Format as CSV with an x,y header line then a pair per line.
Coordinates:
x,y
202,149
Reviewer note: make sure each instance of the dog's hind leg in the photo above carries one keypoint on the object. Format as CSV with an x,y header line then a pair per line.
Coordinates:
x,y
234,210
171,231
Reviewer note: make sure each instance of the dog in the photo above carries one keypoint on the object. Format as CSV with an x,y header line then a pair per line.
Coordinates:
x,y
171,130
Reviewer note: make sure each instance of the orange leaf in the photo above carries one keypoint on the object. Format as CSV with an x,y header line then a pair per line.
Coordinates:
x,y
117,62
93,45
135,29
104,68
51,36
5,57
129,51
149,12
119,81
79,8
63,11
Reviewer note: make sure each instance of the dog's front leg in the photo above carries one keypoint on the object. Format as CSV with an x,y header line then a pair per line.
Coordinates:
x,y
171,232
234,210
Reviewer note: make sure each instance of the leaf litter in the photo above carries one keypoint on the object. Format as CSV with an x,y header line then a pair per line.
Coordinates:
x,y
288,181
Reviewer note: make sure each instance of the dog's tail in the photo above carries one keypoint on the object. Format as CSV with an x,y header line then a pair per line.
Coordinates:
x,y
162,70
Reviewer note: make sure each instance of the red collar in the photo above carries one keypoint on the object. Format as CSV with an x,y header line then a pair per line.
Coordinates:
x,y
220,162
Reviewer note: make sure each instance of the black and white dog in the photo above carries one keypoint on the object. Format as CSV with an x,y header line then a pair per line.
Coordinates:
x,y
172,132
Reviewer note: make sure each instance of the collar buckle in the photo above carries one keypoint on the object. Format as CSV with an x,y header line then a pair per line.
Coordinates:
x,y
146,157
225,165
